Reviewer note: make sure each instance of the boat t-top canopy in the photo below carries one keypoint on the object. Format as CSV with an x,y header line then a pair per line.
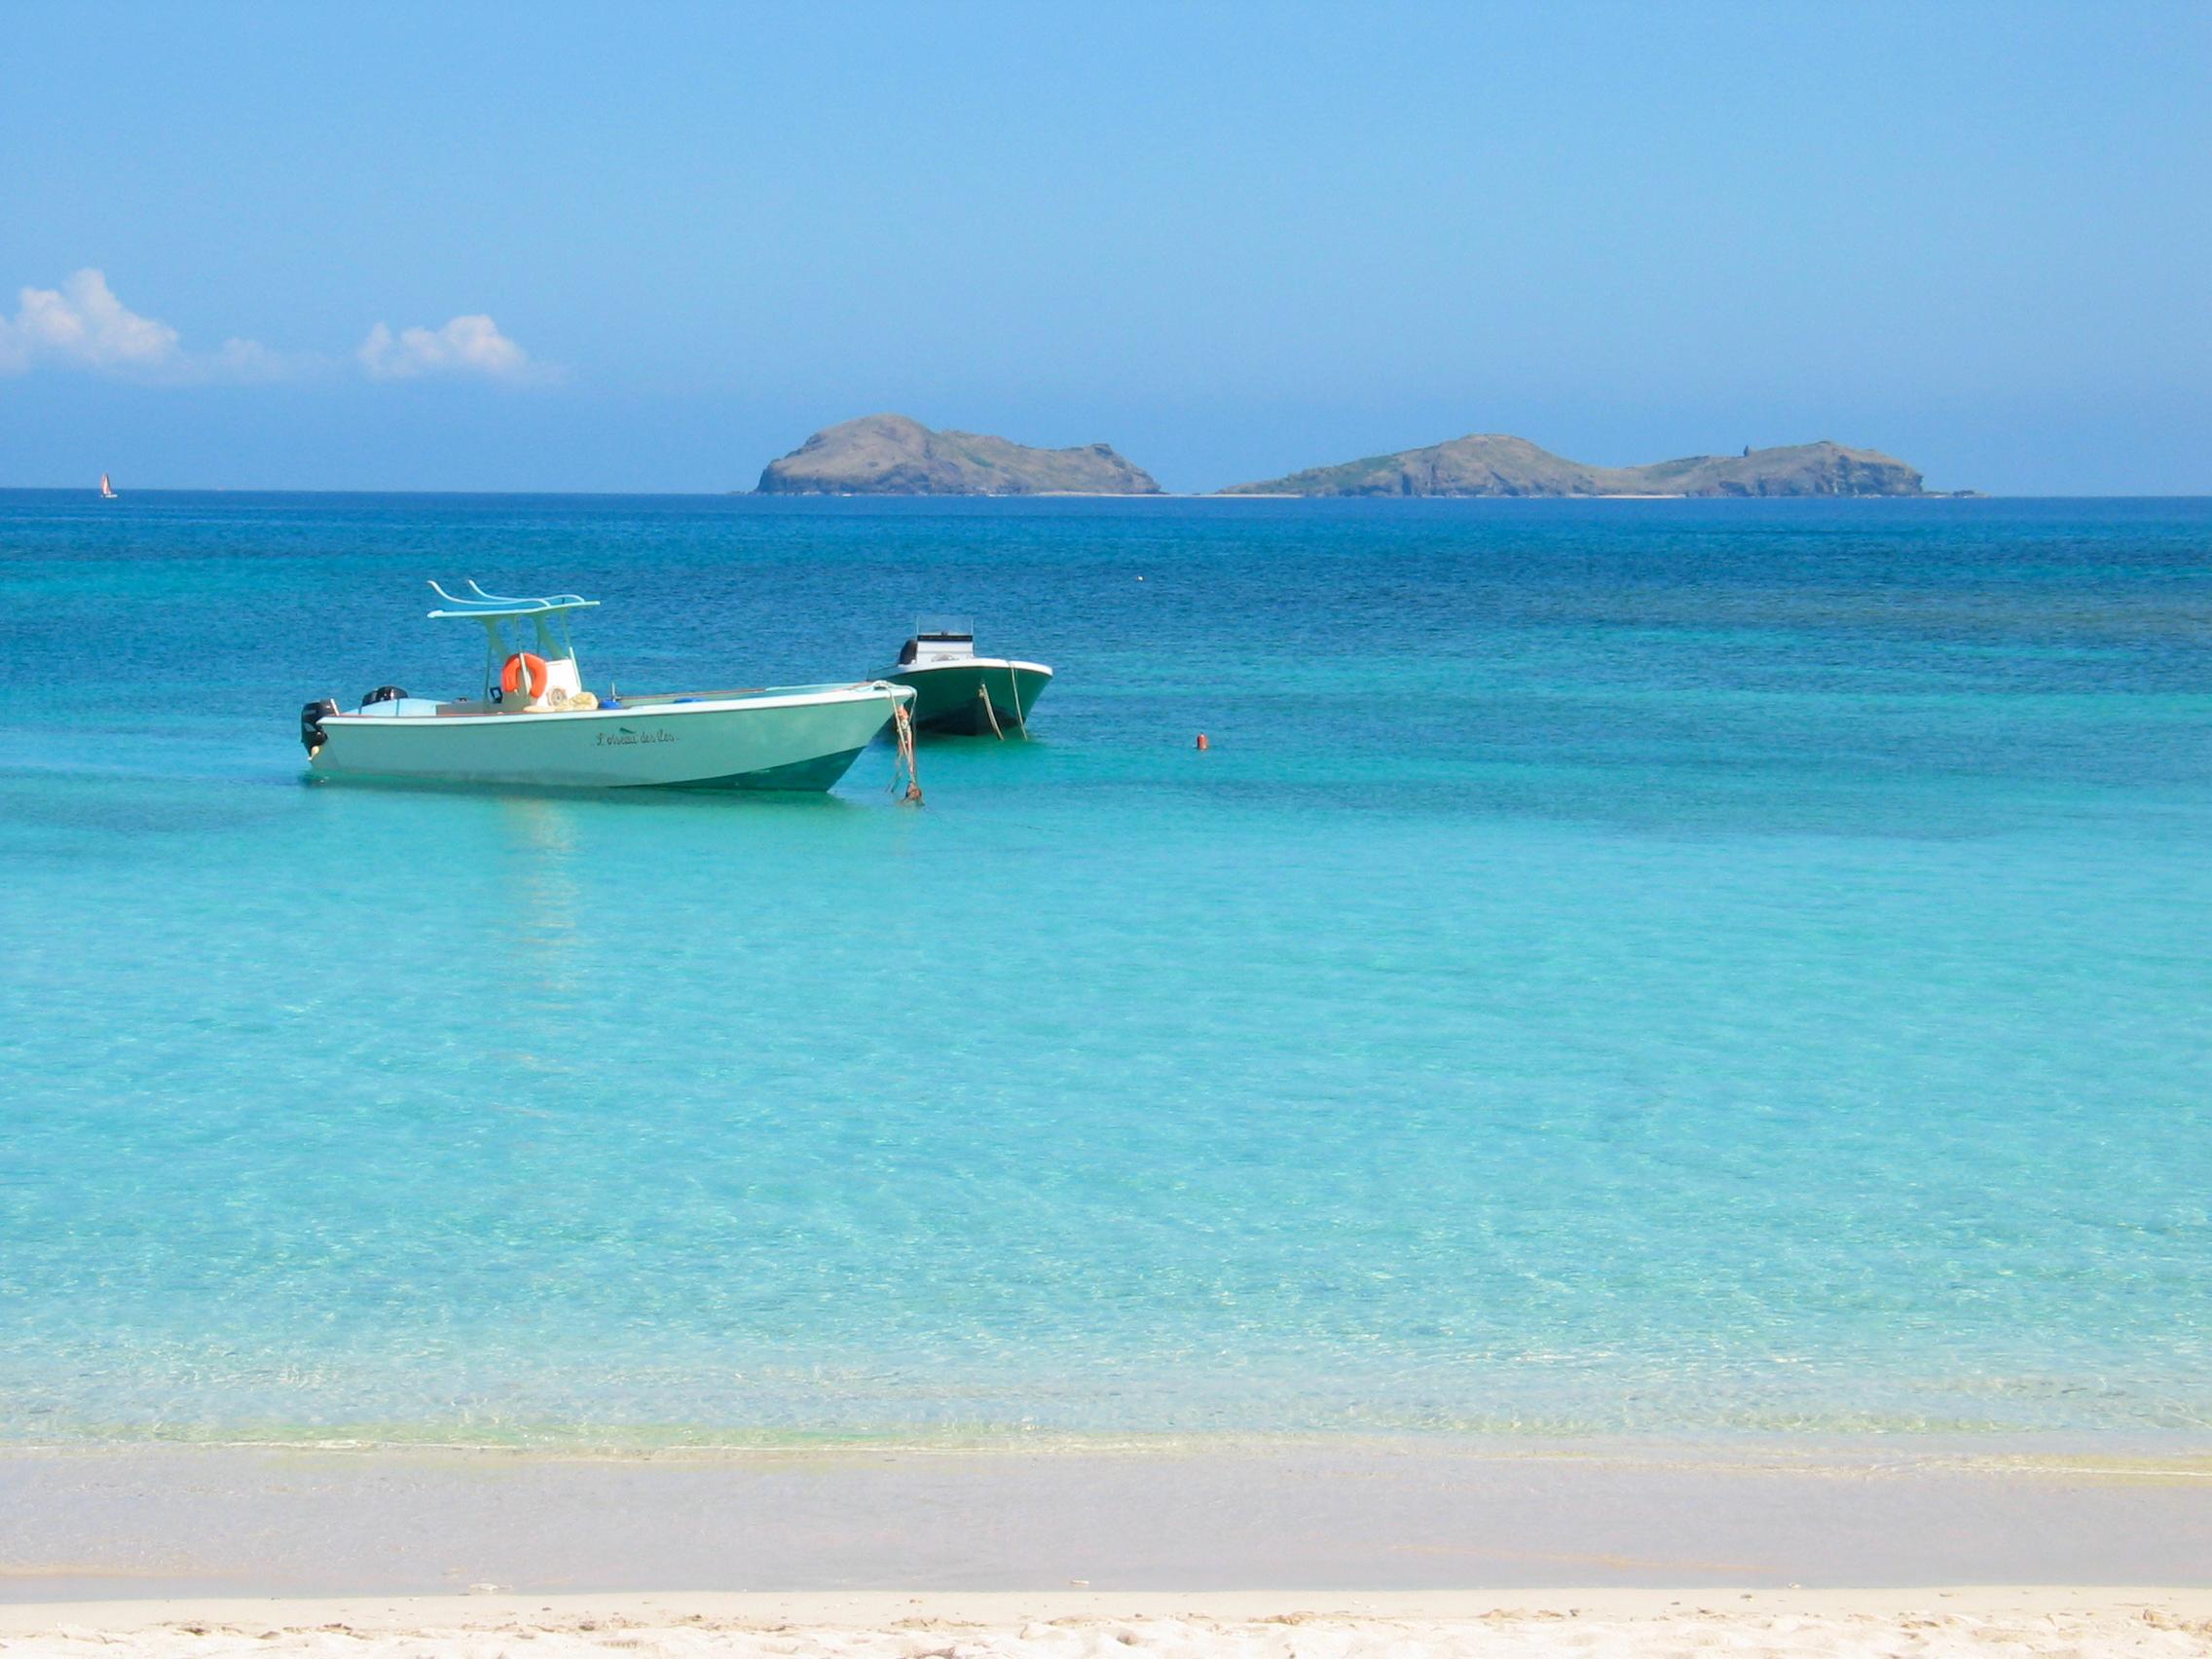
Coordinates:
x,y
515,627
484,606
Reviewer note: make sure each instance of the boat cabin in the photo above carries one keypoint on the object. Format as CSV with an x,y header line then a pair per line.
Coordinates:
x,y
939,638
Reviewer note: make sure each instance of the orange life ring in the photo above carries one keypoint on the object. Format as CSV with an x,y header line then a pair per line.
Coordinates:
x,y
521,663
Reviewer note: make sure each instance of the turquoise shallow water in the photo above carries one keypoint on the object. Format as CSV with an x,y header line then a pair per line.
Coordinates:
x,y
1647,967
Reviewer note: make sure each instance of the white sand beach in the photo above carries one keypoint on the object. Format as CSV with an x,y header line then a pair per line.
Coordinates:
x,y
1553,1624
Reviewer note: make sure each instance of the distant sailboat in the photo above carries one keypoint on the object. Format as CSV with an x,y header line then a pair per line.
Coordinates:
x,y
107,490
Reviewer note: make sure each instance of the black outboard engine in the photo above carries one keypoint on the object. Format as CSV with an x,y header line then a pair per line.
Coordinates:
x,y
311,723
385,695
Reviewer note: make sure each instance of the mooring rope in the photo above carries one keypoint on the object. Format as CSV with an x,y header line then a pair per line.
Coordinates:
x,y
1021,719
989,713
902,734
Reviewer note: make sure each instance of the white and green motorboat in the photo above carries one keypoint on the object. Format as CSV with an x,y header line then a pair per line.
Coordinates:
x,y
535,723
957,691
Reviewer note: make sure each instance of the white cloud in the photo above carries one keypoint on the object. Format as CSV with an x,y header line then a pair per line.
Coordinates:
x,y
250,360
466,346
82,325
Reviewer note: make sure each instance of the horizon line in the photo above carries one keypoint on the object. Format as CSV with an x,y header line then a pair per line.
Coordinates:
x,y
1223,495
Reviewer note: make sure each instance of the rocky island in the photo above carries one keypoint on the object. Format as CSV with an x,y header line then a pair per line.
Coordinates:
x,y
1493,464
891,455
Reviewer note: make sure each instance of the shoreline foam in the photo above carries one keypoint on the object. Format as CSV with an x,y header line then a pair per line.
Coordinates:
x,y
2160,1454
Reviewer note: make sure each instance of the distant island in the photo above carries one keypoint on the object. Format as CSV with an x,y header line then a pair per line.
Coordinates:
x,y
1493,464
895,455
891,455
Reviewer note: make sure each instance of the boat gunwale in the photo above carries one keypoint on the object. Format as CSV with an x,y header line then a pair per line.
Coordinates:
x,y
968,662
660,704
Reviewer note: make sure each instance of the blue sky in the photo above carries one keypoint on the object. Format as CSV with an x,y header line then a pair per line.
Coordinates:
x,y
651,248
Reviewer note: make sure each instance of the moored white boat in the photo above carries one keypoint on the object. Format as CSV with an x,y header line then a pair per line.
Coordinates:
x,y
955,690
535,724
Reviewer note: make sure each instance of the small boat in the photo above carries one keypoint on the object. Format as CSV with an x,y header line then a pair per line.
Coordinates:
x,y
107,490
955,690
533,723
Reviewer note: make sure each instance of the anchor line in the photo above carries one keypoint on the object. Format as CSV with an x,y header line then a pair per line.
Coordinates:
x,y
902,735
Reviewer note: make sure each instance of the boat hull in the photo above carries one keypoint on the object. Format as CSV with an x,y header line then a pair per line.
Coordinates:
x,y
949,698
794,740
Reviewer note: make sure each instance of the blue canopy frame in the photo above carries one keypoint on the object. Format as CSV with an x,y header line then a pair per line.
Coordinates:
x,y
480,604
547,617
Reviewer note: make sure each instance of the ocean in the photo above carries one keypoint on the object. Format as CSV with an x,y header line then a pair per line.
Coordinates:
x,y
1646,969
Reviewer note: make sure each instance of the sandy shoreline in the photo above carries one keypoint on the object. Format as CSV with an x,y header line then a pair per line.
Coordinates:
x,y
1398,1517
1409,1550
1071,1624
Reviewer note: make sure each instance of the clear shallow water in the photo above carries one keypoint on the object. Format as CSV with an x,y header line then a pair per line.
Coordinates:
x,y
1649,967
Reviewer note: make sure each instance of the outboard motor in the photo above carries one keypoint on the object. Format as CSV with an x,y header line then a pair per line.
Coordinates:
x,y
311,723
385,695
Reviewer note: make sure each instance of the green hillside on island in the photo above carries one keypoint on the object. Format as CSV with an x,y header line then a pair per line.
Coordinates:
x,y
1494,465
891,455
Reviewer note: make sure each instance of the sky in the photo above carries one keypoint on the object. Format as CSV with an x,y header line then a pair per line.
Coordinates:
x,y
652,247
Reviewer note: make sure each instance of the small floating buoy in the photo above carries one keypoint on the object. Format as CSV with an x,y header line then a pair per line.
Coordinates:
x,y
1202,743
1140,578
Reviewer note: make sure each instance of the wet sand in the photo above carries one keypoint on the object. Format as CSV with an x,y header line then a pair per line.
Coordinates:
x,y
167,1522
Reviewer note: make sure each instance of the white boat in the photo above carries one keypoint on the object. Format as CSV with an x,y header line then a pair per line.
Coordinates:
x,y
107,490
955,690
535,723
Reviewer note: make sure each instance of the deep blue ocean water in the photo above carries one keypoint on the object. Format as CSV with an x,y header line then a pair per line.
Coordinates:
x,y
1622,968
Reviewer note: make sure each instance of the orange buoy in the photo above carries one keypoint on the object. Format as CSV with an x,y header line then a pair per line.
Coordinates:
x,y
1202,743
518,665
